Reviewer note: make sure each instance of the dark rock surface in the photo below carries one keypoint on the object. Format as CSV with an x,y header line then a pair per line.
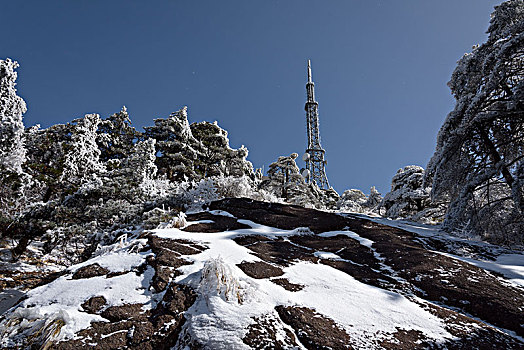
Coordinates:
x,y
446,280
280,215
278,251
25,280
260,269
94,304
314,330
168,258
123,312
219,223
93,270
284,282
129,326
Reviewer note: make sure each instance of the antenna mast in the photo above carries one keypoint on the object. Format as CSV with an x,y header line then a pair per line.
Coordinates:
x,y
315,162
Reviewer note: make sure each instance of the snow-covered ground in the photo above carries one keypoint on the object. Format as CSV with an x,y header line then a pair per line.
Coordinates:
x,y
229,300
364,311
61,299
508,263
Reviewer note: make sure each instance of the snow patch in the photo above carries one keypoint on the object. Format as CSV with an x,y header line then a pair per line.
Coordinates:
x,y
229,299
61,299
364,241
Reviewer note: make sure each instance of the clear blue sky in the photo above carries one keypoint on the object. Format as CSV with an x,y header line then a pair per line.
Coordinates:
x,y
380,69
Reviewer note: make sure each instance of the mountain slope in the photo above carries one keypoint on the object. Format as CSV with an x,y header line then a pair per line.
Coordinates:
x,y
248,274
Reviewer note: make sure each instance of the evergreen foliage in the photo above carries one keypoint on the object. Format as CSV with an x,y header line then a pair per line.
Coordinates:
x,y
82,161
177,148
356,201
217,157
285,182
12,107
116,136
409,199
12,149
478,165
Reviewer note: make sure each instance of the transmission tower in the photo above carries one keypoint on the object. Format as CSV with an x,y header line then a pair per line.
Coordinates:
x,y
314,157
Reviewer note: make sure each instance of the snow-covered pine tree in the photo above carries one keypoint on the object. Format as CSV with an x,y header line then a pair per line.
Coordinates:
x,y
356,201
193,152
284,181
82,161
214,147
12,108
352,200
46,152
12,149
116,136
218,158
177,148
407,196
374,200
139,170
478,165
140,165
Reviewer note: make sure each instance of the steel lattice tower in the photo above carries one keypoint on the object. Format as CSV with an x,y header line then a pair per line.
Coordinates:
x,y
315,162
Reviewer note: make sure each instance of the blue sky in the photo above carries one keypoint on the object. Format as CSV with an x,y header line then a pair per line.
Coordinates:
x,y
380,69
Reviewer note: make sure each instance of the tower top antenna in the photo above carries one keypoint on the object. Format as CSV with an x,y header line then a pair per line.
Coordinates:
x,y
309,71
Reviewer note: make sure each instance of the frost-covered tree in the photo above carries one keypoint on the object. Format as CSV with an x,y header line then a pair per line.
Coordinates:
x,y
352,200
284,181
177,148
46,153
407,196
374,200
13,180
193,152
82,161
478,165
140,164
218,158
139,172
12,108
356,201
116,136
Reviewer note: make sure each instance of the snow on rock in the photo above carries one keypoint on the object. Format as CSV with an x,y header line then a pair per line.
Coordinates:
x,y
511,266
229,299
482,254
221,306
327,255
364,241
118,261
226,304
364,310
60,300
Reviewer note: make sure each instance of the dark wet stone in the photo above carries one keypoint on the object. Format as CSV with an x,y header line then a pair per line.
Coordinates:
x,y
179,246
260,269
89,271
161,278
315,331
281,252
123,312
219,223
280,215
94,304
284,282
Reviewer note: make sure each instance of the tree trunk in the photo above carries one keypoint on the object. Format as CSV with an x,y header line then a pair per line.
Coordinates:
x,y
497,160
